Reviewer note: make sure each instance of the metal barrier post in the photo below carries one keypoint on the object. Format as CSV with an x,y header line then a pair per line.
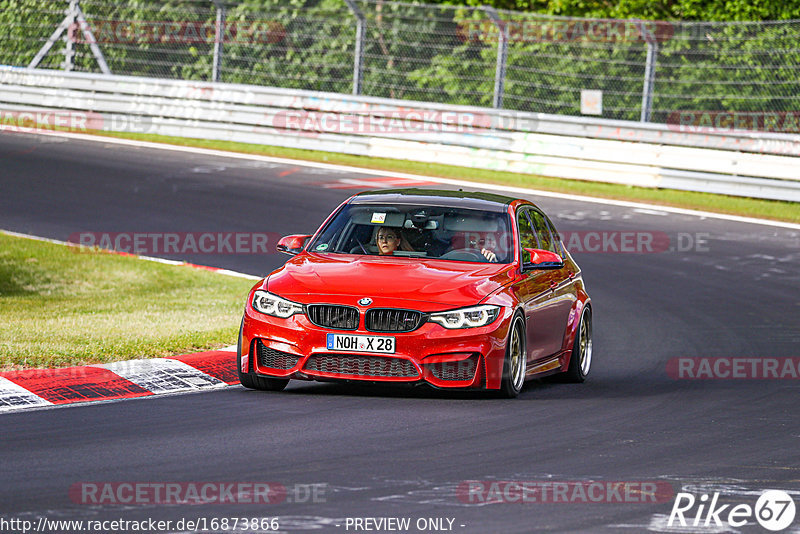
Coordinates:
x,y
502,53
358,64
69,45
68,25
89,36
68,21
649,73
219,36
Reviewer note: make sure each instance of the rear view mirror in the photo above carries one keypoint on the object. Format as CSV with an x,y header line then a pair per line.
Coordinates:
x,y
542,259
292,244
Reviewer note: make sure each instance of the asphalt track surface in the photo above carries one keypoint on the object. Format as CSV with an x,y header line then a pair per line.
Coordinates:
x,y
379,452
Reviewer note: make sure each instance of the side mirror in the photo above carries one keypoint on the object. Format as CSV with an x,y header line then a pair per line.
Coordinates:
x,y
542,259
292,244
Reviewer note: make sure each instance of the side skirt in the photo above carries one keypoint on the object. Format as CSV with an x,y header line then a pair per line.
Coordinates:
x,y
546,366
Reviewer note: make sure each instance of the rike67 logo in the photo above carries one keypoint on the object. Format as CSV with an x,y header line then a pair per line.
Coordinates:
x,y
774,510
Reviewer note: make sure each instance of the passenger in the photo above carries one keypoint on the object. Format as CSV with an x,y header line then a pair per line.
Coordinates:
x,y
389,239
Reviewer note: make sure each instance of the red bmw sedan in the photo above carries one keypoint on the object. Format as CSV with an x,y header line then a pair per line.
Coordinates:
x,y
452,289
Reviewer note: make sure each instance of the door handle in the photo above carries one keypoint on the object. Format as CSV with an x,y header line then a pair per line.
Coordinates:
x,y
553,285
571,275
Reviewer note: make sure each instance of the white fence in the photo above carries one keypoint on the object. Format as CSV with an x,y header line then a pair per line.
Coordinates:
x,y
750,164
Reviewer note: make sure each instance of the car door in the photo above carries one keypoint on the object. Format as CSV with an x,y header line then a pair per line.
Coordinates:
x,y
534,291
546,297
562,287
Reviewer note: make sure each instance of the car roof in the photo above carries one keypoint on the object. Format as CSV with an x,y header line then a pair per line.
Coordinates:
x,y
436,197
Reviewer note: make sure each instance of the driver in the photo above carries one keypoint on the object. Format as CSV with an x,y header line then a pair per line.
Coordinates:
x,y
487,252
489,255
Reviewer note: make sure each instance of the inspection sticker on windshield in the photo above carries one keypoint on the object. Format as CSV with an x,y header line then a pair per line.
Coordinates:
x,y
378,218
350,343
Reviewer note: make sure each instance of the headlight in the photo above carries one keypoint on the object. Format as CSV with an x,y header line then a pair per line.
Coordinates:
x,y
467,317
274,305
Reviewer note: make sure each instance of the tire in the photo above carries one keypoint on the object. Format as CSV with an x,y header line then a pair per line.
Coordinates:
x,y
580,361
250,379
515,363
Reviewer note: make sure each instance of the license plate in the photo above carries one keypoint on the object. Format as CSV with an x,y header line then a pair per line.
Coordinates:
x,y
353,343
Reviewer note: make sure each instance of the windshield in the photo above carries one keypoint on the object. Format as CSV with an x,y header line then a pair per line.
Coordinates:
x,y
455,234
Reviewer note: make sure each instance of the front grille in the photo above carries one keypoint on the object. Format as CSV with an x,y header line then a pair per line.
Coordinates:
x,y
275,359
462,370
332,316
391,320
357,365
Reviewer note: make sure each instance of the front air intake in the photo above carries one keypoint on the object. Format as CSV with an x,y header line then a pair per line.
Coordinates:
x,y
392,320
333,316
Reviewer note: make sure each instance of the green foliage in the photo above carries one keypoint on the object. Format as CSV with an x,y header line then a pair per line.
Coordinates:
x,y
447,53
22,30
696,10
304,47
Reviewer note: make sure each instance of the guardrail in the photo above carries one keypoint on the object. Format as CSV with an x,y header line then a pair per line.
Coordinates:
x,y
753,164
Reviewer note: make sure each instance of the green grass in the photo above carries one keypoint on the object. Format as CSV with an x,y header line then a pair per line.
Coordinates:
x,y
749,207
62,307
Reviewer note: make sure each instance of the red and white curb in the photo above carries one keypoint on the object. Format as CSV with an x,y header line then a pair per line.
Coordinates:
x,y
39,388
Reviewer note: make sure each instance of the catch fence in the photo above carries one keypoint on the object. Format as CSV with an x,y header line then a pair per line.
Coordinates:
x,y
612,69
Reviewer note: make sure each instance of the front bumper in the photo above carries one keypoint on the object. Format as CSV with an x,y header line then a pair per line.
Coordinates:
x,y
295,348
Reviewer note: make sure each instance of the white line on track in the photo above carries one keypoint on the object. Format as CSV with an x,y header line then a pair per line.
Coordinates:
x,y
448,181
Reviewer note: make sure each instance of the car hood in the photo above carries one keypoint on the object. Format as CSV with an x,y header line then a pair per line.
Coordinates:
x,y
430,284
